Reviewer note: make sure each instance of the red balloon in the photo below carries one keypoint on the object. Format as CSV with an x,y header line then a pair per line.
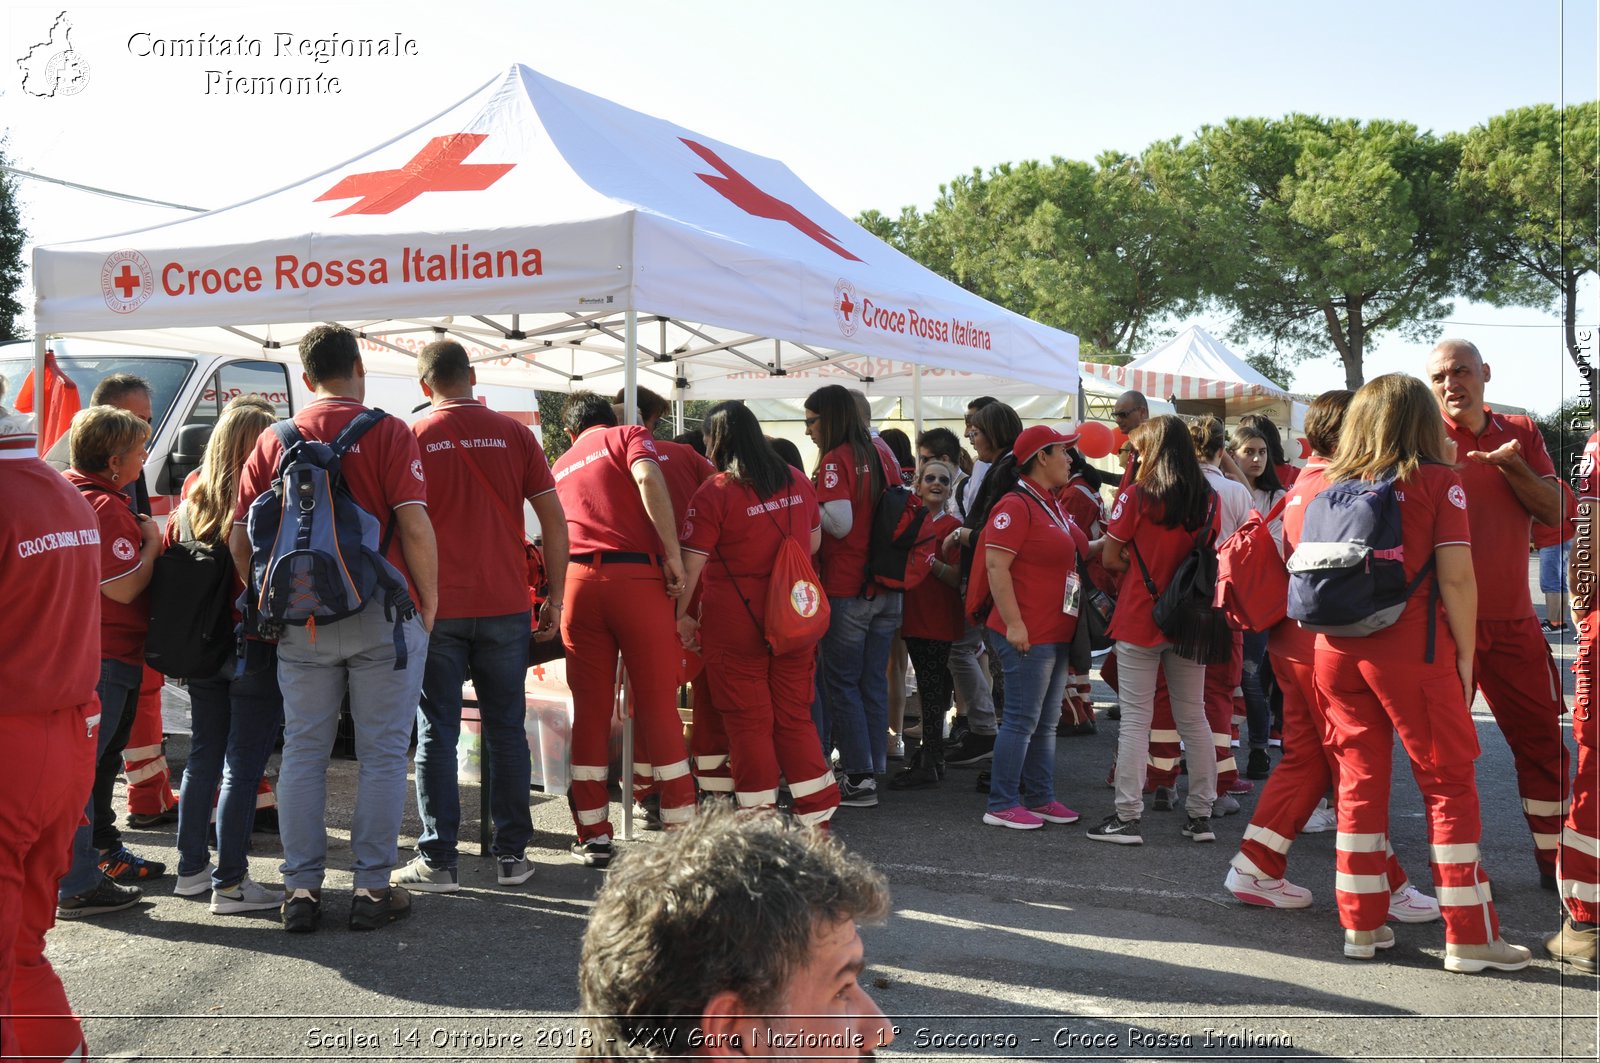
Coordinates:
x,y
1118,437
1305,447
1095,440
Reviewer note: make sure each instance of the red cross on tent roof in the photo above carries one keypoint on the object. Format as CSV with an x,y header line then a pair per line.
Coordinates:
x,y
438,167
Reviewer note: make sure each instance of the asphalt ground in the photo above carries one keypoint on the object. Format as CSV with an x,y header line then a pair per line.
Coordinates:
x,y
1002,944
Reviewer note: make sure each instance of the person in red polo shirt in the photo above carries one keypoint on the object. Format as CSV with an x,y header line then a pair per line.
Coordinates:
x,y
319,663
626,569
481,466
685,469
50,584
1510,482
1578,868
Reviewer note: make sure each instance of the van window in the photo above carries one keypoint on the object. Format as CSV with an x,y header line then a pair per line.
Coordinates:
x,y
269,380
166,376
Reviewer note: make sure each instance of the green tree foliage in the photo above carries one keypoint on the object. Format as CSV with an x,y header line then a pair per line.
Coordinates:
x,y
1531,179
1276,369
12,238
1566,432
1100,249
1327,231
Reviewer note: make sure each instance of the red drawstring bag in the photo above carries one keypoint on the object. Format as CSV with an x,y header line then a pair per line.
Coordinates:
x,y
797,610
1252,582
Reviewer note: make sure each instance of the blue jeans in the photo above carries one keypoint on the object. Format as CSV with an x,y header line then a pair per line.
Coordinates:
x,y
496,649
1258,710
855,678
234,725
355,656
1553,573
1024,766
119,698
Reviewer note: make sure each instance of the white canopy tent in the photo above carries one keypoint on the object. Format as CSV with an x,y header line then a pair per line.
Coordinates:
x,y
568,242
1194,365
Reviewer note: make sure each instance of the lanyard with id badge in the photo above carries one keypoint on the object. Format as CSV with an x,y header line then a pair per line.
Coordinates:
x,y
1072,589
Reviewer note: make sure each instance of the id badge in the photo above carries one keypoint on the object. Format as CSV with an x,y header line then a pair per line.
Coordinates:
x,y
1072,594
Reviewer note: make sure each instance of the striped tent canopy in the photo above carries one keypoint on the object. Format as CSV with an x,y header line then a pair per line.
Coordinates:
x,y
1194,365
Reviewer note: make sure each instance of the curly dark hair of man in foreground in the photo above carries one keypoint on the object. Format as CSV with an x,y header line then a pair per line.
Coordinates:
x,y
734,903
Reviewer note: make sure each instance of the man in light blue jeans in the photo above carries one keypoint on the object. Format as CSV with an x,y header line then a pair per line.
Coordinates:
x,y
321,660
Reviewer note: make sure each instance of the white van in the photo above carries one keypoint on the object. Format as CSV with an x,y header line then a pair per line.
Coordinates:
x,y
189,390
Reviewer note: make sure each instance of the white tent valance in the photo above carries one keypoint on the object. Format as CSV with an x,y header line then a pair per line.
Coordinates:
x,y
1194,365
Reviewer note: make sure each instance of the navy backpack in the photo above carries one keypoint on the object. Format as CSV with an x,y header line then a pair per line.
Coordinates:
x,y
314,552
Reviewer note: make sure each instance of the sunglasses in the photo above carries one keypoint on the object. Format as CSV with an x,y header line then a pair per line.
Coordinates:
x,y
810,421
1120,414
934,478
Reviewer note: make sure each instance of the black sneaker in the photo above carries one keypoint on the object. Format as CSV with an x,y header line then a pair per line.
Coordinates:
x,y
651,806
302,911
144,821
106,897
123,865
915,777
983,781
266,821
1117,831
596,852
958,731
862,793
371,909
1198,829
972,749
1114,712
1259,766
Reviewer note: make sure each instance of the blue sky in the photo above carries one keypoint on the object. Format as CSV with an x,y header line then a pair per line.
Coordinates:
x,y
873,103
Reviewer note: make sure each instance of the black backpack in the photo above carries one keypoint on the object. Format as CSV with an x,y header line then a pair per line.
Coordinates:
x,y
896,524
191,606
1184,611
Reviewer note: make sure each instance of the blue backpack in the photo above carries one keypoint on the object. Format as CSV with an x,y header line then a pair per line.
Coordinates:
x,y
1347,576
314,552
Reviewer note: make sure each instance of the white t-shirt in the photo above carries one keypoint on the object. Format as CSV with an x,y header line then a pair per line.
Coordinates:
x,y
1233,499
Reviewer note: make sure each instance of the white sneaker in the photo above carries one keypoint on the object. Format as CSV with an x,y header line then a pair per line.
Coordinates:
x,y
897,748
1267,892
1410,905
1322,819
195,884
244,896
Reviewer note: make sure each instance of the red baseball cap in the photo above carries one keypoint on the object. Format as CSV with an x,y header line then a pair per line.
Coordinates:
x,y
1032,440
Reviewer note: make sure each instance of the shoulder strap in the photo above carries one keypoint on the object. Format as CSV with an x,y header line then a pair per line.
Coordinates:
x,y
1277,510
353,431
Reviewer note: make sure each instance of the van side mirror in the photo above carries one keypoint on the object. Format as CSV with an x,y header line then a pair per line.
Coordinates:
x,y
187,450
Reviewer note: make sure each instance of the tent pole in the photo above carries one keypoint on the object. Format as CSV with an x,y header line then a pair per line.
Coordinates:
x,y
1083,401
38,390
630,369
916,405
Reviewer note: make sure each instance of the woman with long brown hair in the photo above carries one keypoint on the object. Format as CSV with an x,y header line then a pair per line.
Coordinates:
x,y
1157,520
850,478
1388,682
235,714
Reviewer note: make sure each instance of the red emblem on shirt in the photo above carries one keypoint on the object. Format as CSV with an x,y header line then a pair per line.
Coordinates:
x,y
1002,521
1457,496
416,468
124,550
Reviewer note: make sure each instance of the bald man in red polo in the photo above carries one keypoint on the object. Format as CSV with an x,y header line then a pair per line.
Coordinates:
x,y
1510,483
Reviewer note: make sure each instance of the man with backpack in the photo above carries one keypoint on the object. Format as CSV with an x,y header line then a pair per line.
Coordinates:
x,y
480,465
1510,482
347,581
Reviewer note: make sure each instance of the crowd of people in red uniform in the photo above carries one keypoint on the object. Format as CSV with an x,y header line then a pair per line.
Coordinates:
x,y
658,558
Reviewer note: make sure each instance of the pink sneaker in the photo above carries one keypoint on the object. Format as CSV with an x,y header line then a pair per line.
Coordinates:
x,y
1016,817
1055,812
1240,786
1266,892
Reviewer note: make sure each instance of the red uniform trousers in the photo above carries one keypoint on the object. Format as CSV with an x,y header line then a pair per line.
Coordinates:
x,y
1514,670
1366,703
765,705
1298,783
49,769
1578,869
144,762
614,608
1221,681
708,744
